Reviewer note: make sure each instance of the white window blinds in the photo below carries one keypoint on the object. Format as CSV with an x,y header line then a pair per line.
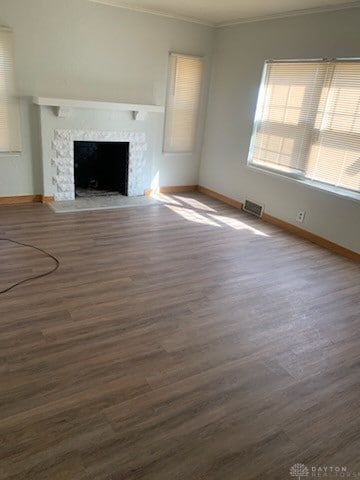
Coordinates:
x,y
185,74
9,108
308,122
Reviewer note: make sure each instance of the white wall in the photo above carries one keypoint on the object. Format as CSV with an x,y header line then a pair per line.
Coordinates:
x,y
240,52
78,49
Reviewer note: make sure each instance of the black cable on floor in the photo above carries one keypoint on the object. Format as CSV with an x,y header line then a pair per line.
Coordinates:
x,y
47,254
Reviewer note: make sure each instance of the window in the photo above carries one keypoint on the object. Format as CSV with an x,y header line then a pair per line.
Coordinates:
x,y
307,122
182,104
9,109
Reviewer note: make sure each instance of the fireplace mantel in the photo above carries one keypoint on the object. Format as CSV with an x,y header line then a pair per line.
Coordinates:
x,y
64,106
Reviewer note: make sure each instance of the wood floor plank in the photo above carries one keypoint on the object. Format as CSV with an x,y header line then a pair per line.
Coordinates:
x,y
182,340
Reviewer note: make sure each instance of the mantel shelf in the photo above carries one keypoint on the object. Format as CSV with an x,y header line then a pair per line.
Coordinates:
x,y
64,106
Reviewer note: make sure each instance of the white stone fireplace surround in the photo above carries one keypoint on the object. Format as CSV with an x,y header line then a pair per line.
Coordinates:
x,y
63,158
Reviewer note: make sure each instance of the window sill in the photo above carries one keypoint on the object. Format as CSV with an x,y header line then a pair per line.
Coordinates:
x,y
341,193
10,154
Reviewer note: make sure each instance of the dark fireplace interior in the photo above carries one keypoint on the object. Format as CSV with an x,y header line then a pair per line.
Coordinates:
x,y
101,168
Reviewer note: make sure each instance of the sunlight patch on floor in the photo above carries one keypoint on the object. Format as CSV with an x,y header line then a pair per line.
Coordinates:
x,y
195,203
196,211
237,224
192,216
161,197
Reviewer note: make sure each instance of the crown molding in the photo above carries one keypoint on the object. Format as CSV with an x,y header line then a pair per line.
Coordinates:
x,y
238,21
293,13
126,6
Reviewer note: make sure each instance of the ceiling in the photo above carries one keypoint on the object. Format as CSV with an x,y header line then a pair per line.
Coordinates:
x,y
227,12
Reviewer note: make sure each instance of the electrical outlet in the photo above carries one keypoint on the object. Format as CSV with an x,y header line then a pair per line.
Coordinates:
x,y
300,216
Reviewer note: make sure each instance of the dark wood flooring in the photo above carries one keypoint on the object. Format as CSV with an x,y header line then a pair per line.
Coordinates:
x,y
177,341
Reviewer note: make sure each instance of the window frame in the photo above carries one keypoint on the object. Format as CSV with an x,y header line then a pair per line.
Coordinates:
x,y
294,175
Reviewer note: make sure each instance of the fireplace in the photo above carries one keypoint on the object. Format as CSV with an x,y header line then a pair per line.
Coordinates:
x,y
64,145
101,168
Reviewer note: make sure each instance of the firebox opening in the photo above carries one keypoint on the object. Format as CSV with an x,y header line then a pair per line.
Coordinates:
x,y
101,168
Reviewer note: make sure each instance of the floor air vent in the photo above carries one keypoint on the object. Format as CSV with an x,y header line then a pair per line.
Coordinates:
x,y
253,208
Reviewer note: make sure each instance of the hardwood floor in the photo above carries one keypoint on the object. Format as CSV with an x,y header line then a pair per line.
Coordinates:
x,y
177,341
